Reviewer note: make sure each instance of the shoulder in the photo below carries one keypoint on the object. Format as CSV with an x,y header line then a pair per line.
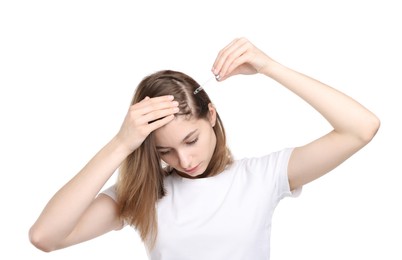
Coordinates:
x,y
274,160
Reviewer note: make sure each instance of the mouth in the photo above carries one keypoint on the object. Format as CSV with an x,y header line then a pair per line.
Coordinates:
x,y
191,170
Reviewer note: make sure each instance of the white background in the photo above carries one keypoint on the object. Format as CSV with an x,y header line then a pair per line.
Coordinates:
x,y
68,70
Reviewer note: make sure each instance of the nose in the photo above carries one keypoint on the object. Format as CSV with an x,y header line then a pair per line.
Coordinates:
x,y
184,159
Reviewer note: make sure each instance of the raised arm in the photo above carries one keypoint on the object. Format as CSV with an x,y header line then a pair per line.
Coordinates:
x,y
75,213
353,125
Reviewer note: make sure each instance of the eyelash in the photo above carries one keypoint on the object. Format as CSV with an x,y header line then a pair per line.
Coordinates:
x,y
193,142
188,143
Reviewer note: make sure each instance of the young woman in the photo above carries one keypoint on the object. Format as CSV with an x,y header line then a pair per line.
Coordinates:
x,y
178,184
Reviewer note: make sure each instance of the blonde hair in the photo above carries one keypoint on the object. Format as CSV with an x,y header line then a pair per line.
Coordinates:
x,y
140,180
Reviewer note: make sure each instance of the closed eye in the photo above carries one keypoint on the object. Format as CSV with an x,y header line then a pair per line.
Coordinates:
x,y
164,152
193,141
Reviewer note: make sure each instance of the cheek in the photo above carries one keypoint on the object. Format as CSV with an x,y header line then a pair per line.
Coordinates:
x,y
169,159
210,143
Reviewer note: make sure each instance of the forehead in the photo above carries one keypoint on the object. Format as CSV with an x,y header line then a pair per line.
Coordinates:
x,y
177,129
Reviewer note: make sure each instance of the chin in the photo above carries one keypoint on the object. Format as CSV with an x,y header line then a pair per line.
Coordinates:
x,y
193,175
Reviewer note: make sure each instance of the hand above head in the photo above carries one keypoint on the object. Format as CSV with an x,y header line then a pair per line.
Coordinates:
x,y
144,117
239,57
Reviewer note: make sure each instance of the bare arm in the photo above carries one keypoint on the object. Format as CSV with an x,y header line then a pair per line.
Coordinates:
x,y
75,213
353,125
68,207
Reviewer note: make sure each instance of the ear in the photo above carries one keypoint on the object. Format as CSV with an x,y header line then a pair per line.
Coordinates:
x,y
212,114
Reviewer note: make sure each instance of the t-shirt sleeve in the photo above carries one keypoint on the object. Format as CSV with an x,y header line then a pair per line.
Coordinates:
x,y
111,192
272,171
282,160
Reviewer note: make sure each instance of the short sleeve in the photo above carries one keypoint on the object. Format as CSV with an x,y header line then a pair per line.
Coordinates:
x,y
282,162
111,192
271,171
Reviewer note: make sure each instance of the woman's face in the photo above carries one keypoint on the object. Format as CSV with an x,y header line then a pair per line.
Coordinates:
x,y
187,145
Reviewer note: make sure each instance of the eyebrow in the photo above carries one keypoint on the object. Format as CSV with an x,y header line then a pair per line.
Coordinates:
x,y
184,139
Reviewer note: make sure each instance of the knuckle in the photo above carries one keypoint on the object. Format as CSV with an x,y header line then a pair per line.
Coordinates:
x,y
134,106
231,56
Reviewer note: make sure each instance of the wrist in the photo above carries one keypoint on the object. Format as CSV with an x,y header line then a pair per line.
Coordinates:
x,y
271,68
119,146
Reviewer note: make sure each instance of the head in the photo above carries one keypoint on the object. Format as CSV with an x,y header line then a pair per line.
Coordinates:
x,y
192,145
187,144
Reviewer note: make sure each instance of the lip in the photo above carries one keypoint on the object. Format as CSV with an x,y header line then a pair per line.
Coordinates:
x,y
192,170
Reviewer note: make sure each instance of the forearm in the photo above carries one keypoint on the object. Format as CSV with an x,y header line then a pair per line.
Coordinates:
x,y
64,210
345,114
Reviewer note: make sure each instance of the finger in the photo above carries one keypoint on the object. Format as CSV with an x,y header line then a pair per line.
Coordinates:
x,y
147,100
157,115
224,54
149,106
218,60
159,123
238,54
234,69
155,111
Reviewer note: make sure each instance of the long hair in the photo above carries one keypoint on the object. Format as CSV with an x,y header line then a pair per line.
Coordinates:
x,y
140,180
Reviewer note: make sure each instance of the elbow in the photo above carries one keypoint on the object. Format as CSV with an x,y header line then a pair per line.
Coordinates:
x,y
370,129
38,239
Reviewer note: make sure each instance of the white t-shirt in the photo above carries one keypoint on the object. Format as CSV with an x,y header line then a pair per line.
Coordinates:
x,y
227,216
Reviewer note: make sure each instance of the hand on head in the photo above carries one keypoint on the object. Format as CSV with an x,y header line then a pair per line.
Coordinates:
x,y
144,117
